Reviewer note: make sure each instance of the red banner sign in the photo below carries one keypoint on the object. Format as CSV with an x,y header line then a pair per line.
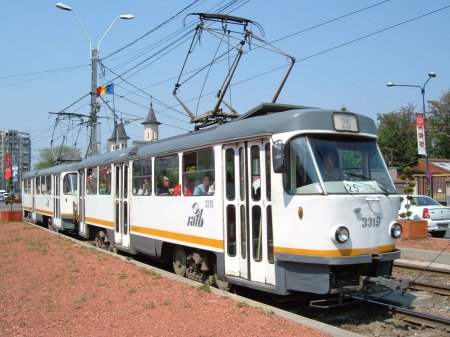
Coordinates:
x,y
8,158
8,172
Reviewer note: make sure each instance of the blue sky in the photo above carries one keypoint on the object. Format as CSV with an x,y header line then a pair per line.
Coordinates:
x,y
46,60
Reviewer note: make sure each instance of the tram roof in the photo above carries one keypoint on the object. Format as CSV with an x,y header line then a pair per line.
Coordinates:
x,y
67,167
265,119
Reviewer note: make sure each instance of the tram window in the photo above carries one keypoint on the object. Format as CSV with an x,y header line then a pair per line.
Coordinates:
x,y
38,185
231,230
268,161
56,181
166,174
70,184
142,177
91,184
257,234
243,233
198,173
125,218
270,251
46,186
230,172
125,181
300,176
255,172
105,180
242,173
26,186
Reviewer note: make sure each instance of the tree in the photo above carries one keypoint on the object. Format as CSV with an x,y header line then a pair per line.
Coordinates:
x,y
438,127
49,155
397,135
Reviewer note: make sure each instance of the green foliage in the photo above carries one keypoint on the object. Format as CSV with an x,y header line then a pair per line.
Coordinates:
x,y
397,135
408,189
438,133
12,196
48,156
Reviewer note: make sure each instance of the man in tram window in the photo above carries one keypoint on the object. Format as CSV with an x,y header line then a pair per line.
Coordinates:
x,y
205,187
145,189
330,170
166,187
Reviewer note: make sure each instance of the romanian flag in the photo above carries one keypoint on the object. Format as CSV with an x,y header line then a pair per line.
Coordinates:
x,y
105,89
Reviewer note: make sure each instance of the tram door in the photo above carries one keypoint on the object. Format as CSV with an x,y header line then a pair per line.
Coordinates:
x,y
121,205
83,229
33,201
56,201
248,215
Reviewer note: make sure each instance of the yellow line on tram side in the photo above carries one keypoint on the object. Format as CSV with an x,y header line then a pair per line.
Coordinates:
x,y
27,208
336,252
67,215
214,243
44,212
100,222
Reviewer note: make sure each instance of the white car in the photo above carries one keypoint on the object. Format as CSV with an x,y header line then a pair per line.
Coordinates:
x,y
426,208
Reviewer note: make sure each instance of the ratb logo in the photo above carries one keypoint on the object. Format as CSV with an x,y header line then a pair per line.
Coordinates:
x,y
197,219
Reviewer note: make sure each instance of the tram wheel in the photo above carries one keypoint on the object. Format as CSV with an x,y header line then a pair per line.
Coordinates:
x,y
179,261
50,224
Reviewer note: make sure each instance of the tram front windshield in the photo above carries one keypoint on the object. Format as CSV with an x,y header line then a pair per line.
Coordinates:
x,y
333,164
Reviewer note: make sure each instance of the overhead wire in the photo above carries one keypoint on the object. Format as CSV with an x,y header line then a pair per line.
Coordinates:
x,y
328,49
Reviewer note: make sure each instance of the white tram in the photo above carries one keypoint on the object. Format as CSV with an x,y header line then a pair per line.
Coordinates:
x,y
272,216
50,196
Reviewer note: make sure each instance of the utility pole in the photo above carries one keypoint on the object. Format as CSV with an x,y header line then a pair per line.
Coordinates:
x,y
93,145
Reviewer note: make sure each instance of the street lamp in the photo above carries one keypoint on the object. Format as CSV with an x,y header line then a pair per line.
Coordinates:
x,y
93,148
422,90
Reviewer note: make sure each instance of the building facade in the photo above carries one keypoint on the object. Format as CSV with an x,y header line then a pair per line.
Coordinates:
x,y
15,146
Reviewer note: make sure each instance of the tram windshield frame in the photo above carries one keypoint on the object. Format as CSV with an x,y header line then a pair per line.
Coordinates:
x,y
359,167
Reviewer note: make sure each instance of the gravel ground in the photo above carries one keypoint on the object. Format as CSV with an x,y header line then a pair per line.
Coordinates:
x,y
50,286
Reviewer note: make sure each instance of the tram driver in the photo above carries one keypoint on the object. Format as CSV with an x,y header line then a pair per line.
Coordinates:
x,y
330,170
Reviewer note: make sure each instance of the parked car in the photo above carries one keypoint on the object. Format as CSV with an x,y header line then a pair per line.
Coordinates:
x,y
426,208
2,198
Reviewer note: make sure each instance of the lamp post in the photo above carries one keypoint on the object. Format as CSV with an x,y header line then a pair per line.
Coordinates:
x,y
93,148
422,90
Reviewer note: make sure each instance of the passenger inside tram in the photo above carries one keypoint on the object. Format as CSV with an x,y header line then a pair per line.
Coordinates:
x,y
205,188
166,187
329,168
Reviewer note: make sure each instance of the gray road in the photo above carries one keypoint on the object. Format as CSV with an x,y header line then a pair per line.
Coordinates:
x,y
5,207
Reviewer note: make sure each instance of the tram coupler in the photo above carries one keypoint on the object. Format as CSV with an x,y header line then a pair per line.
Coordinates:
x,y
367,282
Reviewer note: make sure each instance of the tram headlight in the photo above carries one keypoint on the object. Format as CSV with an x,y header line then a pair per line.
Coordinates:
x,y
340,234
396,230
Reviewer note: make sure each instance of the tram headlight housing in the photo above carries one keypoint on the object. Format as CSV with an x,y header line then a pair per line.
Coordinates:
x,y
396,230
340,234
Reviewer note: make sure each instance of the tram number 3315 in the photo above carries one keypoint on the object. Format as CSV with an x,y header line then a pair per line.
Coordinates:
x,y
371,222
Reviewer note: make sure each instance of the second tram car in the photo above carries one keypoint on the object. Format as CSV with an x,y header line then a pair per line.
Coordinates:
x,y
283,199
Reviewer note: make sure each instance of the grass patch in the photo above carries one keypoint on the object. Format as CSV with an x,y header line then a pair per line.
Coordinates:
x,y
132,291
101,284
204,287
37,246
243,305
76,270
167,302
153,274
122,275
150,305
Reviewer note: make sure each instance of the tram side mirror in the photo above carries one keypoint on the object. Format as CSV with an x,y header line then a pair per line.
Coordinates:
x,y
278,157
